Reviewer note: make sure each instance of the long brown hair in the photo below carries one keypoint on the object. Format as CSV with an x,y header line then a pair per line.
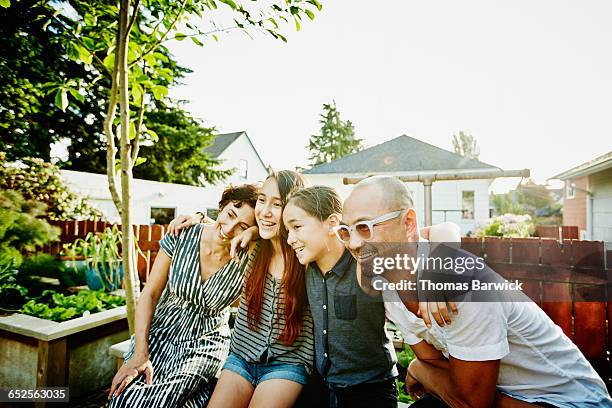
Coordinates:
x,y
295,299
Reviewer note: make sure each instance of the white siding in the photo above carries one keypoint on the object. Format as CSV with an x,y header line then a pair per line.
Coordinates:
x,y
601,186
145,194
186,199
446,195
241,149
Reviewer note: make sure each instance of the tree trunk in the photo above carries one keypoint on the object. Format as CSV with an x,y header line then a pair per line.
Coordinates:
x,y
130,276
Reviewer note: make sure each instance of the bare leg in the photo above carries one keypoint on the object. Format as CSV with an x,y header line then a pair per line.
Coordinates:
x,y
232,390
276,393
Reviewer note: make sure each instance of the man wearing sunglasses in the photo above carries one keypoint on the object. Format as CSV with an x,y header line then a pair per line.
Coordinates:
x,y
493,354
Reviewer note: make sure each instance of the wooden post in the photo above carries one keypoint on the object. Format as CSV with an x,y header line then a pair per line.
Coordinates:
x,y
52,362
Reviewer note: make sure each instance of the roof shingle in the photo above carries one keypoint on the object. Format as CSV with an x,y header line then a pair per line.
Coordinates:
x,y
402,154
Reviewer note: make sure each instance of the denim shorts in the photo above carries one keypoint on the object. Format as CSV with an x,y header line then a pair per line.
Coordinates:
x,y
256,373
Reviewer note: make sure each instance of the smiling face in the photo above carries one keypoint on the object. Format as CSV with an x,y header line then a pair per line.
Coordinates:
x,y
269,209
306,234
364,204
234,218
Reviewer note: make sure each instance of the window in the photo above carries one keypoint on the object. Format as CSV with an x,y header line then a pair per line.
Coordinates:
x,y
570,189
243,169
467,205
162,215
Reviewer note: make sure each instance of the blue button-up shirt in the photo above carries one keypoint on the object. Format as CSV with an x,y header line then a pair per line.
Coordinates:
x,y
351,344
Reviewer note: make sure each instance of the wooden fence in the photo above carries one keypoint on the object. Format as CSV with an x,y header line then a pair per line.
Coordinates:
x,y
557,232
147,236
576,274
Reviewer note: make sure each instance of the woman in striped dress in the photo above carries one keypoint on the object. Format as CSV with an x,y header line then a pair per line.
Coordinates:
x,y
272,351
182,335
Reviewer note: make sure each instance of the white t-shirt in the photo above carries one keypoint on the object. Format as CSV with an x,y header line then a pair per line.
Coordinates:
x,y
539,363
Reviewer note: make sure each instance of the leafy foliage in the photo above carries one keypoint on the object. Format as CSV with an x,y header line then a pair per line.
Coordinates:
x,y
465,145
21,229
12,294
179,154
337,138
507,225
101,251
38,180
404,358
58,307
33,54
530,198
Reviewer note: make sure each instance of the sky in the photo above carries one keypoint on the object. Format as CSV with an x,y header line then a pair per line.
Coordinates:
x,y
531,80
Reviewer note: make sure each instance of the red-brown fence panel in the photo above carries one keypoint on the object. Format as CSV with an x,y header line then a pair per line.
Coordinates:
x,y
590,320
555,252
497,250
525,251
560,311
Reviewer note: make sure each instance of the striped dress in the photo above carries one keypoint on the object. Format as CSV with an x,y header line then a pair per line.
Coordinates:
x,y
262,345
189,337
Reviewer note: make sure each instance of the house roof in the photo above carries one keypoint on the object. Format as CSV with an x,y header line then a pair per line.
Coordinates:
x,y
225,140
222,142
402,154
598,164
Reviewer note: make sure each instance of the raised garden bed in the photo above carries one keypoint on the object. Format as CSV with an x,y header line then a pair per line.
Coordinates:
x,y
41,353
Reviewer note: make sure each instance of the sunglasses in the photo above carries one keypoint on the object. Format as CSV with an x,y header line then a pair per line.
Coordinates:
x,y
365,229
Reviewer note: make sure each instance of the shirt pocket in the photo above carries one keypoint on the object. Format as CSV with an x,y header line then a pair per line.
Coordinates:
x,y
345,306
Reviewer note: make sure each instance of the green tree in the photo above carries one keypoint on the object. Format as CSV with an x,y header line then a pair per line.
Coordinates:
x,y
36,54
337,138
122,43
178,156
31,56
465,145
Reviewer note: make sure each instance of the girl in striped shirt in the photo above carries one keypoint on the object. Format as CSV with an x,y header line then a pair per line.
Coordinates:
x,y
272,350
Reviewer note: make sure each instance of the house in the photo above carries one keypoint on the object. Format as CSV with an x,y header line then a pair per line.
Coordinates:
x,y
465,202
587,199
158,203
235,151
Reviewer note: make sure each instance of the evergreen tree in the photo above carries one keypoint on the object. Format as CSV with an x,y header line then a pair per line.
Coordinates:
x,y
337,138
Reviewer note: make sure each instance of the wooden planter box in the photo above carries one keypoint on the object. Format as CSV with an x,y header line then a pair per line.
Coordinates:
x,y
38,353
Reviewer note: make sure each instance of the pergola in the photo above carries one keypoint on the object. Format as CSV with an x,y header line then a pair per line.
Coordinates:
x,y
428,178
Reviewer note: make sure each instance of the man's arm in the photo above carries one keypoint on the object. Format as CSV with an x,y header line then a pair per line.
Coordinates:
x,y
464,383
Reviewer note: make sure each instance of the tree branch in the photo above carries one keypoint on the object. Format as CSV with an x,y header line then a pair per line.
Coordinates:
x,y
163,37
73,35
133,18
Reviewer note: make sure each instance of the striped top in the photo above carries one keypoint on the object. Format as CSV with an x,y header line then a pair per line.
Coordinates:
x,y
189,338
262,345
200,307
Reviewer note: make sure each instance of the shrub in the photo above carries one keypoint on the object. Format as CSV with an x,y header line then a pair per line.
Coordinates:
x,y
38,180
507,225
21,229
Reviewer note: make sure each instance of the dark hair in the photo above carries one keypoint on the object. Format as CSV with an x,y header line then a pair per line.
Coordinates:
x,y
293,283
318,201
242,194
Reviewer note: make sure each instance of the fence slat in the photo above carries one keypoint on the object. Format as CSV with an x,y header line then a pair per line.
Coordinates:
x,y
560,312
497,249
588,254
526,251
590,321
554,253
